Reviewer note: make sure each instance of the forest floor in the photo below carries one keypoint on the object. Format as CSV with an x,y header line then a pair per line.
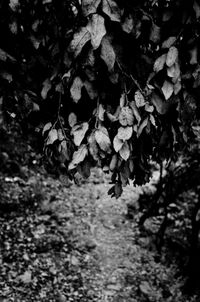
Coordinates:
x,y
65,242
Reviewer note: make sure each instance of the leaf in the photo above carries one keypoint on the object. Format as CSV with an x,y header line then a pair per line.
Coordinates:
x,y
80,38
126,116
102,139
196,8
93,148
107,53
177,87
91,90
46,127
167,89
101,112
14,4
78,157
125,133
111,9
118,190
139,99
149,108
135,111
90,6
60,135
45,89
79,132
160,105
125,151
26,277
128,24
169,42
172,56
72,119
174,71
155,33
52,137
142,126
117,143
159,63
97,30
75,89
145,288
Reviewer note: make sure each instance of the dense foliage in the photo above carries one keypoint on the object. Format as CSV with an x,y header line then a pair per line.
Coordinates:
x,y
108,82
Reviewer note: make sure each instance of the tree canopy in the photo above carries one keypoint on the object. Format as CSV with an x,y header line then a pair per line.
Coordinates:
x,y
107,82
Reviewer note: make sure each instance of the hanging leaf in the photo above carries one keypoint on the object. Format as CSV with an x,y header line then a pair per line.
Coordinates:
x,y
91,90
167,89
78,157
125,151
160,105
52,137
142,126
75,89
159,63
126,117
117,143
90,6
45,89
113,163
172,56
148,108
103,140
72,119
125,133
46,127
97,30
128,24
177,87
135,111
60,135
80,38
107,53
139,99
155,33
79,132
111,9
174,71
93,148
169,42
101,112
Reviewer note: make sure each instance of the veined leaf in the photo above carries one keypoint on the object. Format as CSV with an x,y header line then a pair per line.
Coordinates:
x,y
107,53
46,127
97,30
159,63
139,99
142,126
80,38
72,119
78,156
117,143
79,132
75,89
169,42
111,9
167,89
125,151
125,133
90,6
126,117
172,56
102,139
93,148
52,136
